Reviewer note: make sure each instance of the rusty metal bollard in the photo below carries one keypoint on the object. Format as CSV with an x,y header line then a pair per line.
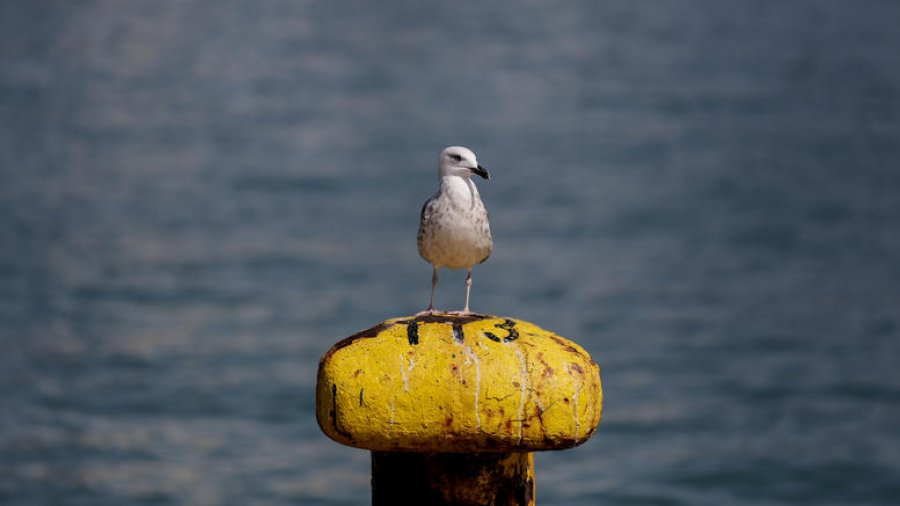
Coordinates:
x,y
452,407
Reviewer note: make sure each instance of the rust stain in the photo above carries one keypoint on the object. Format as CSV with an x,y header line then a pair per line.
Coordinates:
x,y
565,345
362,334
548,370
448,318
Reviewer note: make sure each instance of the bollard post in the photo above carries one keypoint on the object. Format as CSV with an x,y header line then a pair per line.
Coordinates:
x,y
453,407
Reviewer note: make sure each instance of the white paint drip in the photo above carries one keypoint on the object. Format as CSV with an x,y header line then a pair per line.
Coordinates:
x,y
591,405
391,423
540,405
523,385
471,357
404,370
578,387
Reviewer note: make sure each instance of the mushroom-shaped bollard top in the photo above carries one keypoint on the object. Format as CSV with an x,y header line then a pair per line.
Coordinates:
x,y
447,384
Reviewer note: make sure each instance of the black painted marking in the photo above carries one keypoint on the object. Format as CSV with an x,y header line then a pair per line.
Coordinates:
x,y
334,416
510,327
360,396
458,332
412,332
334,406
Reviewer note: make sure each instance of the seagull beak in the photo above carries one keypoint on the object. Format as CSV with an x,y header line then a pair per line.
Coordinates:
x,y
481,171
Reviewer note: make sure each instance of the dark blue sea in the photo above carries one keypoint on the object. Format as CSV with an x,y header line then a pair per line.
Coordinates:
x,y
198,198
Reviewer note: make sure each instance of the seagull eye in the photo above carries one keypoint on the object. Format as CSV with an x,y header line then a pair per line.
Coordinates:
x,y
456,158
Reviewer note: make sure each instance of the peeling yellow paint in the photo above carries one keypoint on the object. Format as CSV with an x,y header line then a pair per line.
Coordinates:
x,y
461,384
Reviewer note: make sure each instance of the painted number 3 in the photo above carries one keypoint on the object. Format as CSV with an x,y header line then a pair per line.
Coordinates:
x,y
511,333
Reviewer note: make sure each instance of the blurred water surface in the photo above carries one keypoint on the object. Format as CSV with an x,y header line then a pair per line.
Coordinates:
x,y
198,198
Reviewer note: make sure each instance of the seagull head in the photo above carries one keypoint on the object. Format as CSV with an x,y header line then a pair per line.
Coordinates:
x,y
460,161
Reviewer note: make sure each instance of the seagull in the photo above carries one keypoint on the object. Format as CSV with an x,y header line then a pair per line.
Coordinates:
x,y
454,230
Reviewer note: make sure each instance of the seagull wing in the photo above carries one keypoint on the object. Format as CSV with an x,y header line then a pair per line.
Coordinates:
x,y
427,209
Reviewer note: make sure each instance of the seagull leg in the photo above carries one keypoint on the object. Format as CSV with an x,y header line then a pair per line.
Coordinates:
x,y
465,311
468,289
434,281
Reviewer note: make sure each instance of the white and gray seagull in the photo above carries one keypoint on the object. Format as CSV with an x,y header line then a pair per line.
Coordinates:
x,y
454,230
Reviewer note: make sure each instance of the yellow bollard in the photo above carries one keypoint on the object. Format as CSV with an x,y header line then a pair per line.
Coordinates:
x,y
452,407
